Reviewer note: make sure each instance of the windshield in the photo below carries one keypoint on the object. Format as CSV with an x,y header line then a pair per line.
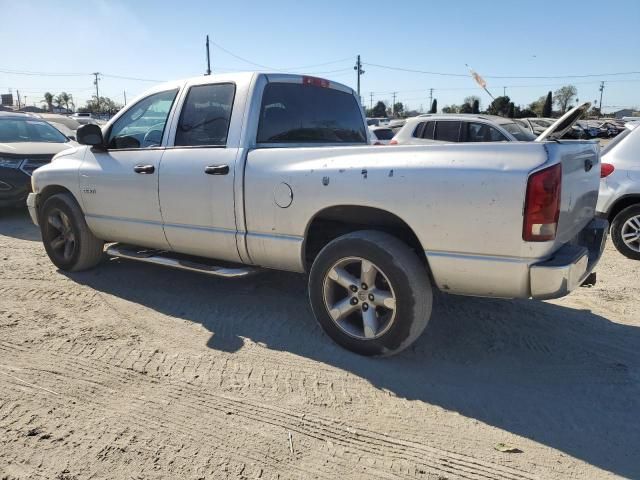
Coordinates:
x,y
13,130
518,132
615,141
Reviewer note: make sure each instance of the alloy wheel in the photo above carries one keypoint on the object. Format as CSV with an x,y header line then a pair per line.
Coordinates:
x,y
359,298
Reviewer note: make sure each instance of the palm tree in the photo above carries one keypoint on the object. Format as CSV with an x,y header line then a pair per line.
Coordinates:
x,y
66,99
58,101
48,99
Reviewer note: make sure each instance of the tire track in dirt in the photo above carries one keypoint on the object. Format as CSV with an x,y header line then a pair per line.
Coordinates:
x,y
141,414
202,404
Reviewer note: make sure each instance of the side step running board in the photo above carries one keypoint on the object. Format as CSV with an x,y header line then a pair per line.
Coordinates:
x,y
177,260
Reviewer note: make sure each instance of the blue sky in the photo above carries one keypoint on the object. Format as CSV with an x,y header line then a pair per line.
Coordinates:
x,y
162,40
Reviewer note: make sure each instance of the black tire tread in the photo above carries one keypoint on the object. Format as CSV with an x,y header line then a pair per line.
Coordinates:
x,y
91,247
406,260
616,231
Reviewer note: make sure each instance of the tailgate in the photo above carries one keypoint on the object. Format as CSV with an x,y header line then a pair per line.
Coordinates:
x,y
580,183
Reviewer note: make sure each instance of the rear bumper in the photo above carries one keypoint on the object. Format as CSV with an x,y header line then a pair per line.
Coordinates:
x,y
571,264
32,205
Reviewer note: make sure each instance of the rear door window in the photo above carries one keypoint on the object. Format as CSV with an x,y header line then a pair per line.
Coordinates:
x,y
205,115
447,131
424,130
296,113
481,132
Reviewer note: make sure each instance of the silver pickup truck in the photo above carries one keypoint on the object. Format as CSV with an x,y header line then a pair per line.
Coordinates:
x,y
230,174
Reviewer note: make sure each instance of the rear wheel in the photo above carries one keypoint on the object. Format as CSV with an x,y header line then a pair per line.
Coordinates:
x,y
67,239
370,293
625,232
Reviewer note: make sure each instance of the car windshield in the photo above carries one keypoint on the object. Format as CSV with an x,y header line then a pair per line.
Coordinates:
x,y
518,132
615,141
13,130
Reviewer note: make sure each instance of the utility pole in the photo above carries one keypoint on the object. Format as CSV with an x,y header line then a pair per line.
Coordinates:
x,y
95,82
18,95
124,93
504,91
208,58
360,71
601,90
371,102
393,105
430,98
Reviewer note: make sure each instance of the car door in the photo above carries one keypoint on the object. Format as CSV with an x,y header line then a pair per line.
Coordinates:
x,y
197,175
119,184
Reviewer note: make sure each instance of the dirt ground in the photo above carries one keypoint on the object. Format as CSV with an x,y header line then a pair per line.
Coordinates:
x,y
133,371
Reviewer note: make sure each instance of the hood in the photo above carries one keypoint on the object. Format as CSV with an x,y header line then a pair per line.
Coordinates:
x,y
34,148
564,123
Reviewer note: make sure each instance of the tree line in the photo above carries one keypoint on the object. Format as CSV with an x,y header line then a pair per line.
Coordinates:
x,y
93,105
563,98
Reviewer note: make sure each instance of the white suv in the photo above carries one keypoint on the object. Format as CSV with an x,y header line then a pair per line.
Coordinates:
x,y
452,128
619,198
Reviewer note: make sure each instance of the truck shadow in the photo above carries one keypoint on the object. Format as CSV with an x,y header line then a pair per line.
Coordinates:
x,y
15,222
563,377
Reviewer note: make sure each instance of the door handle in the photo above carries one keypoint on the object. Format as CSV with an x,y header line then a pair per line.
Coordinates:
x,y
217,170
144,169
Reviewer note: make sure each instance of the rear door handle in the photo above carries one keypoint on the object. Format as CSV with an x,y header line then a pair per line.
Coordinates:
x,y
217,170
144,169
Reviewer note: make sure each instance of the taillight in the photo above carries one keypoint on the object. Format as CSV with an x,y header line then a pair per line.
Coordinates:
x,y
542,205
606,169
315,81
393,142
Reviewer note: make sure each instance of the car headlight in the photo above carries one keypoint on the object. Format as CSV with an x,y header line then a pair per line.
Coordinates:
x,y
9,162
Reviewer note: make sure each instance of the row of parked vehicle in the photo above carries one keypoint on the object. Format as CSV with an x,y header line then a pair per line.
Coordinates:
x,y
480,128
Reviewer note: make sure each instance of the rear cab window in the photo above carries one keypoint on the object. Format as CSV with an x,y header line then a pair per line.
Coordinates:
x,y
298,113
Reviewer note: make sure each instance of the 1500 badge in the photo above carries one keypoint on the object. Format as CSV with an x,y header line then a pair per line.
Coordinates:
x,y
91,190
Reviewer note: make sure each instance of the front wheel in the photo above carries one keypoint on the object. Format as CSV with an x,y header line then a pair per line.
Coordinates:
x,y
370,293
625,232
67,239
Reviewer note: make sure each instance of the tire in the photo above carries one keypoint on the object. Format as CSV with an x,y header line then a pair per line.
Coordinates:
x,y
398,272
62,220
626,222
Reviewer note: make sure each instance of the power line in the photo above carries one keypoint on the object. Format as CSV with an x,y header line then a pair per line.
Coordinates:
x,y
449,74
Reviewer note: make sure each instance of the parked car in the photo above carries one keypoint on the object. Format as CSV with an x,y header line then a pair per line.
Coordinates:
x,y
397,124
381,135
590,131
274,170
453,128
538,125
26,143
619,199
68,121
377,121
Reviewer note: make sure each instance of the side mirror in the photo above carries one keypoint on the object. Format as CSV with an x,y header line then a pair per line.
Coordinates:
x,y
90,134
